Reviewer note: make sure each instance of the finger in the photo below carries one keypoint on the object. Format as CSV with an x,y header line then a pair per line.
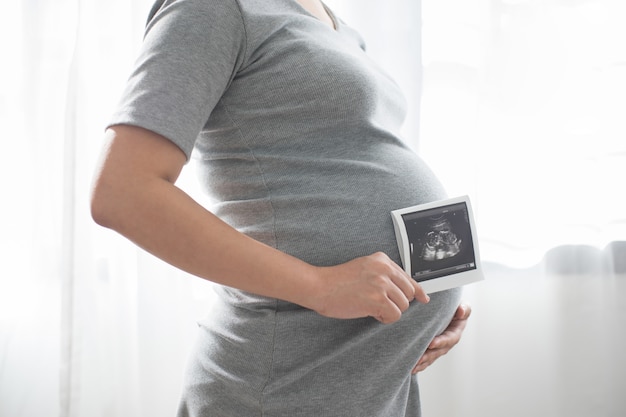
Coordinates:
x,y
463,312
452,334
422,364
416,289
401,279
419,368
443,343
420,294
450,337
399,298
388,313
407,285
444,340
429,357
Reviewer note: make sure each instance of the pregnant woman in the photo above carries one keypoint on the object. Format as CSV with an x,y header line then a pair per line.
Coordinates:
x,y
295,131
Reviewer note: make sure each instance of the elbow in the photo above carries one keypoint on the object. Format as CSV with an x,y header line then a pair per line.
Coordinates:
x,y
104,205
99,209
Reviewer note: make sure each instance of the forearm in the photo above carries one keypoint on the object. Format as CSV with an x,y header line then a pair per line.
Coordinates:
x,y
186,235
134,194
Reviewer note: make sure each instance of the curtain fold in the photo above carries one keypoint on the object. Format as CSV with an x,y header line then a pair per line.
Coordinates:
x,y
522,110
68,224
517,103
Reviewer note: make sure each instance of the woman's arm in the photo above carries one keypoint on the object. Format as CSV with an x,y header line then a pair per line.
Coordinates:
x,y
134,194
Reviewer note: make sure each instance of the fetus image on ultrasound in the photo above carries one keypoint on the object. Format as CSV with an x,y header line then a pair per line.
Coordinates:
x,y
441,242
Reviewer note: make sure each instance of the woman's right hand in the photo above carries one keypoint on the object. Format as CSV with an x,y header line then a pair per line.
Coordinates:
x,y
134,194
372,285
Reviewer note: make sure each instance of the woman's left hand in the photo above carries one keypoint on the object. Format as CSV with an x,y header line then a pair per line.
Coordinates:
x,y
446,340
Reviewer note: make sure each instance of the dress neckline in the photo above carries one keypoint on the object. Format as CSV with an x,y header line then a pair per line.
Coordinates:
x,y
331,15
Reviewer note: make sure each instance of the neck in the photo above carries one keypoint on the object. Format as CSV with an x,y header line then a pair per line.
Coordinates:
x,y
317,9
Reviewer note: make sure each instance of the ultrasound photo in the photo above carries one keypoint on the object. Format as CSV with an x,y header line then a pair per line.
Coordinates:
x,y
440,241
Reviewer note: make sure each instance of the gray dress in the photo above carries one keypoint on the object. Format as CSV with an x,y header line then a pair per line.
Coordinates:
x,y
296,131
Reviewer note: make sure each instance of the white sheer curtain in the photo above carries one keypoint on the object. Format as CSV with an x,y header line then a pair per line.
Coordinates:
x,y
522,108
518,103
90,326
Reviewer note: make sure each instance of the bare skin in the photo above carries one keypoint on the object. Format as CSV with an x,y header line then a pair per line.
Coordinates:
x,y
316,8
446,340
452,335
134,193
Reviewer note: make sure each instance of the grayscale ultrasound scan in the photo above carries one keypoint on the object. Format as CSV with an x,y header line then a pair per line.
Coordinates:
x,y
440,241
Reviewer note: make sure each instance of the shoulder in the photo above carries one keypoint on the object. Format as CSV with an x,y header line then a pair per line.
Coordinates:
x,y
197,26
190,12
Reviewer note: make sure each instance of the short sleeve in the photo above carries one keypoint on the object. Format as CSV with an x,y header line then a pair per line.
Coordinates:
x,y
190,54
